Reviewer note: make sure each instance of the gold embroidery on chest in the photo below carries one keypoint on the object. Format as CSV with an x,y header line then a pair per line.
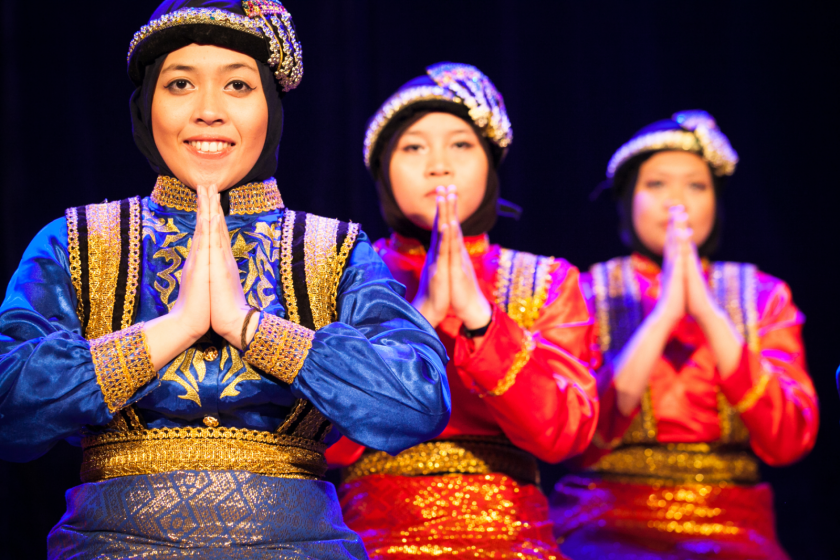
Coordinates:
x,y
237,365
191,359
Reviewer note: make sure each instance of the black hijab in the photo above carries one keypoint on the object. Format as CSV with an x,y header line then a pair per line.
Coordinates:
x,y
141,121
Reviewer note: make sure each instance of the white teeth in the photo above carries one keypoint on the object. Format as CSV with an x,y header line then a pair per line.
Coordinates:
x,y
209,147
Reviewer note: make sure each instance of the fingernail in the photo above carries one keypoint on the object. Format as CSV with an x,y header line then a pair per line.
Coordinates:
x,y
452,196
440,189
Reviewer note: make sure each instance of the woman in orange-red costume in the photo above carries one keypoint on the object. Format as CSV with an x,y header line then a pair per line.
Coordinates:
x,y
701,370
515,325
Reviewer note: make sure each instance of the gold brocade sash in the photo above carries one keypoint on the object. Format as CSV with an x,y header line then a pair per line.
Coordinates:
x,y
463,455
679,463
142,452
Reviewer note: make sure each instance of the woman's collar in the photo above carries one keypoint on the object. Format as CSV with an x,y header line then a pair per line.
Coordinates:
x,y
648,267
253,198
476,245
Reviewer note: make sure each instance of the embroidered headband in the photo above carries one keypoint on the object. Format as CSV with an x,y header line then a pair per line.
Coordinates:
x,y
446,82
263,30
690,131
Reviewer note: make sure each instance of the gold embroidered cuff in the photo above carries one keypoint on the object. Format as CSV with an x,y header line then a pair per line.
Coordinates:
x,y
279,347
519,362
122,364
753,394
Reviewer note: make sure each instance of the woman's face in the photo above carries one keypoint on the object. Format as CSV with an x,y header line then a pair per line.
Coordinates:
x,y
668,179
209,115
439,149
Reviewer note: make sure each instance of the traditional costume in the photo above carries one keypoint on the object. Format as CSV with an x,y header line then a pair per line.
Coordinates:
x,y
526,392
679,478
221,453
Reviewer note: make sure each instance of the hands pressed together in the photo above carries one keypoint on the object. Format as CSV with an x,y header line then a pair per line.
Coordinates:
x,y
210,295
448,280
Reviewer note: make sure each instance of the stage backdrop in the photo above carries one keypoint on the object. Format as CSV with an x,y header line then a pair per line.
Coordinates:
x,y
578,79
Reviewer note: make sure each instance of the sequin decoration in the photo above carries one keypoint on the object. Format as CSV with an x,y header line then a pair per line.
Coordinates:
x,y
279,347
455,516
122,364
72,217
522,284
700,134
104,248
320,254
519,360
252,198
458,83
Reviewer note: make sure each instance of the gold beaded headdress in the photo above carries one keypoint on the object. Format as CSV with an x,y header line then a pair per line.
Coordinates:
x,y
450,82
260,28
690,131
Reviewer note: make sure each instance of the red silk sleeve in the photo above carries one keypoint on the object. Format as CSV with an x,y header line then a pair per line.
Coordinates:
x,y
343,453
771,387
538,384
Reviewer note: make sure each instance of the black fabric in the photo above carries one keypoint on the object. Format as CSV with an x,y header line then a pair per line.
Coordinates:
x,y
299,271
481,221
624,187
122,274
141,121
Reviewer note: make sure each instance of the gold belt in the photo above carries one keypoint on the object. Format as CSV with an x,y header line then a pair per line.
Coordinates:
x,y
139,452
462,455
681,463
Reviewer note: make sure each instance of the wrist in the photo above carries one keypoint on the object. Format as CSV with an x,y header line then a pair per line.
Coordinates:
x,y
182,326
426,309
477,315
664,318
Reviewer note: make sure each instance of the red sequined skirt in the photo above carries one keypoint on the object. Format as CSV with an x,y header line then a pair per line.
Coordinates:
x,y
597,518
449,516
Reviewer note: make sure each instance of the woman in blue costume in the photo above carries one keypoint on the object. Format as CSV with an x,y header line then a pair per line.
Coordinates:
x,y
205,344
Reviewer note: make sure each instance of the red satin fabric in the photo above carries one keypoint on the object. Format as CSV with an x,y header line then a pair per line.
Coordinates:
x,y
782,424
449,517
551,409
623,521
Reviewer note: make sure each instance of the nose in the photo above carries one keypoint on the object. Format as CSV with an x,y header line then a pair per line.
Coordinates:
x,y
438,164
209,109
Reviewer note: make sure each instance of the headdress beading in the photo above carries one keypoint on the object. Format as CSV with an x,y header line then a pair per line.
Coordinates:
x,y
691,131
444,83
262,29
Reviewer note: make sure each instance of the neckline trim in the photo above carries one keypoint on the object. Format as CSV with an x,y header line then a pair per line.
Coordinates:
x,y
253,198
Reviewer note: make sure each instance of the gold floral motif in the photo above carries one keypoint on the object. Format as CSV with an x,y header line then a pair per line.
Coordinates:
x,y
189,360
133,262
252,198
279,347
519,362
122,364
465,455
104,248
237,365
286,239
680,463
72,216
141,452
320,255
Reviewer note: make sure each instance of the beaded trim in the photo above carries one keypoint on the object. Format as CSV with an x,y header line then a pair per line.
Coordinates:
x,y
752,396
519,362
319,249
287,236
699,135
458,83
104,248
133,262
279,347
72,216
522,284
463,455
252,198
285,51
680,463
338,268
122,364
140,452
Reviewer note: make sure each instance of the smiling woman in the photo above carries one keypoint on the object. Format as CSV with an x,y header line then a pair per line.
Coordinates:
x,y
205,344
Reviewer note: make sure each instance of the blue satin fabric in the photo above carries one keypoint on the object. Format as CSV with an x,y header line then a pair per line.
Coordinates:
x,y
200,514
377,373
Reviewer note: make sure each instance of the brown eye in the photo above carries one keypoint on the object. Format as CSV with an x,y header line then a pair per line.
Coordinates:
x,y
699,186
239,86
654,184
179,85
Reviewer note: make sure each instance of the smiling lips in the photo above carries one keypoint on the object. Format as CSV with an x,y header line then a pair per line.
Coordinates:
x,y
210,147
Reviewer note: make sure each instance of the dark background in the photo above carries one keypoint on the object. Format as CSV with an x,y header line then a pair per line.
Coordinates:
x,y
578,79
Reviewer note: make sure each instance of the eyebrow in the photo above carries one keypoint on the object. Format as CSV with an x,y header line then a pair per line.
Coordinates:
x,y
422,132
188,68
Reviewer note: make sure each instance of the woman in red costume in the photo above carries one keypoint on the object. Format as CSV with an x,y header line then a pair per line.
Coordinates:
x,y
701,370
515,325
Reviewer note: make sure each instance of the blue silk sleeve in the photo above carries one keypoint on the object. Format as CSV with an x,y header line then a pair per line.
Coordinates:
x,y
378,373
48,387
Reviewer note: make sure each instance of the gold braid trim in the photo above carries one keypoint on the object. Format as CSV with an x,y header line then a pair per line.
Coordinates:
x,y
461,455
122,364
104,250
72,216
320,254
133,262
279,347
341,260
519,362
140,452
287,236
752,396
252,198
